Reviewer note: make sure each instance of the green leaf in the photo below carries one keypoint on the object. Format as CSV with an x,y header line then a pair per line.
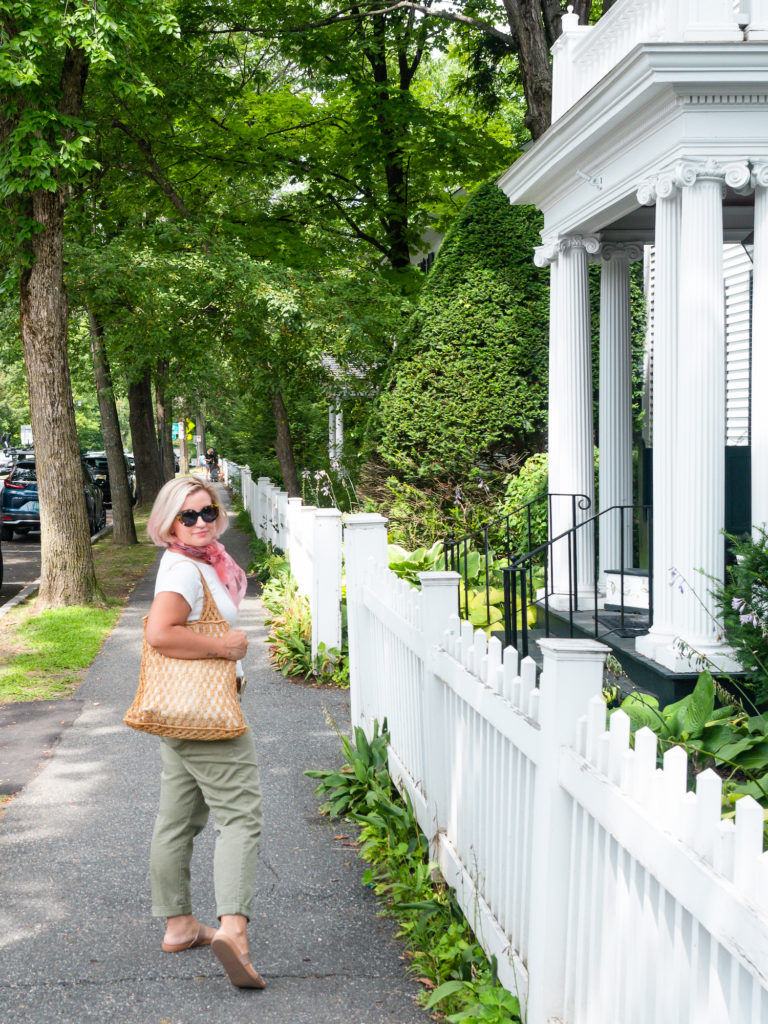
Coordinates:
x,y
643,711
448,988
698,711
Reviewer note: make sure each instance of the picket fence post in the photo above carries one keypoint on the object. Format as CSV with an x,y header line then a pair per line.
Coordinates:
x,y
439,603
281,515
571,676
262,485
245,475
365,544
325,598
292,516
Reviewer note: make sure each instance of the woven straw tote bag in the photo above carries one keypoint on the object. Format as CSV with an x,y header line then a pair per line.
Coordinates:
x,y
188,698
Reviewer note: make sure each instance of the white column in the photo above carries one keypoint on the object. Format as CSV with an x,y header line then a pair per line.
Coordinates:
x,y
758,20
700,442
339,455
546,255
571,442
615,405
759,383
667,242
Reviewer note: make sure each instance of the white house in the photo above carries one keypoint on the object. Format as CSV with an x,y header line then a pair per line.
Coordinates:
x,y
659,138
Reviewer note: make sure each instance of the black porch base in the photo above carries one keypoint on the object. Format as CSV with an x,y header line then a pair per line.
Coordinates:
x,y
643,675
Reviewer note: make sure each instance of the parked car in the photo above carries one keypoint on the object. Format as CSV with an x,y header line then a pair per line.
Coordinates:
x,y
97,462
6,460
20,506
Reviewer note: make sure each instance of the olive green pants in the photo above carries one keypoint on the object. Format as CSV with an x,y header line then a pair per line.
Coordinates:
x,y
220,776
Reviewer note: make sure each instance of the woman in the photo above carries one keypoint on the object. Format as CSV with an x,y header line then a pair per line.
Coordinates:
x,y
220,776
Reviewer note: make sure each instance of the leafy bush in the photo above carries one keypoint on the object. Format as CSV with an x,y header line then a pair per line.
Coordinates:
x,y
470,377
290,638
444,953
733,743
525,486
742,603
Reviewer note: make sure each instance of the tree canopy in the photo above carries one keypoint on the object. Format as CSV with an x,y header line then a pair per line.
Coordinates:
x,y
222,204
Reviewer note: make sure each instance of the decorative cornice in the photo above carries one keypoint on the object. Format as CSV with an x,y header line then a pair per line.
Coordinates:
x,y
544,255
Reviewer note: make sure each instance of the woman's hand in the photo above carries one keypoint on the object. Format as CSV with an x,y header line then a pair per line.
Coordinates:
x,y
234,644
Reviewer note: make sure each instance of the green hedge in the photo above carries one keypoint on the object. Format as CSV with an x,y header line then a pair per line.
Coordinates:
x,y
469,381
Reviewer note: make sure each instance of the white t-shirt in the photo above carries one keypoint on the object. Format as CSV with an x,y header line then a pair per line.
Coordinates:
x,y
181,575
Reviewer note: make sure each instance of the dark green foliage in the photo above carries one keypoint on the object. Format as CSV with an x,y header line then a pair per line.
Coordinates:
x,y
743,609
470,377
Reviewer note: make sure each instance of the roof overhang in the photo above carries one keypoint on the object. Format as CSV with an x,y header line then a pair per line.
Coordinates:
x,y
664,102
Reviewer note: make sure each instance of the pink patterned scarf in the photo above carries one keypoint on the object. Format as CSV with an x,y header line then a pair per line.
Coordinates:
x,y
227,569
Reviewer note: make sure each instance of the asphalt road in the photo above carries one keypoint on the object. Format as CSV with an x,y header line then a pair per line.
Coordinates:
x,y
21,564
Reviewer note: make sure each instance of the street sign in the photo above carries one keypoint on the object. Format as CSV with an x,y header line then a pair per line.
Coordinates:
x,y
26,434
197,438
175,431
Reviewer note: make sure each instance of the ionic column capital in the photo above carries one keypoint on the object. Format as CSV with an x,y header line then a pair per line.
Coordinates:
x,y
545,254
661,186
735,174
617,251
760,173
551,250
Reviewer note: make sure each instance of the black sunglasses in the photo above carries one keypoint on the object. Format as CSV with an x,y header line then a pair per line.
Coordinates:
x,y
188,516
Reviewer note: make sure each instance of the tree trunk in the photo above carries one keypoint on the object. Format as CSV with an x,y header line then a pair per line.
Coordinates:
x,y
164,427
284,447
183,447
525,21
149,478
67,574
124,529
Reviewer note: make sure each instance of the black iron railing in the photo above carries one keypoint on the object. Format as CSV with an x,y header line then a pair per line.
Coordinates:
x,y
500,542
529,584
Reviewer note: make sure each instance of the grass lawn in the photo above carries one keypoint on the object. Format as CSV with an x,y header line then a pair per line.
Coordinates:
x,y
45,654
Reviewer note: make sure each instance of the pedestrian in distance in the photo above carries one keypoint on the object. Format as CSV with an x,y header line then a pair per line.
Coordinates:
x,y
199,777
211,459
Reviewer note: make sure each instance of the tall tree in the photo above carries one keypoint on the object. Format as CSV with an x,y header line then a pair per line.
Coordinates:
x,y
124,529
532,26
49,49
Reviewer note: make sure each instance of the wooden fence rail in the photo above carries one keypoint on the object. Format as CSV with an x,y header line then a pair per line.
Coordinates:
x,y
608,893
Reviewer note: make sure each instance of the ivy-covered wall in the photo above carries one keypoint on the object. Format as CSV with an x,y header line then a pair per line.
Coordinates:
x,y
469,381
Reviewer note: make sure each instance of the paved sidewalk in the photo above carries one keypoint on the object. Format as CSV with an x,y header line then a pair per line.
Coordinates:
x,y
77,943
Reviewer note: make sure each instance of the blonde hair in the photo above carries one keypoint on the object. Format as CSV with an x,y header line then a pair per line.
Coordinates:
x,y
170,501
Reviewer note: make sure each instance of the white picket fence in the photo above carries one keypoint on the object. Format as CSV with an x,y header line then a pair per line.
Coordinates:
x,y
607,893
311,539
